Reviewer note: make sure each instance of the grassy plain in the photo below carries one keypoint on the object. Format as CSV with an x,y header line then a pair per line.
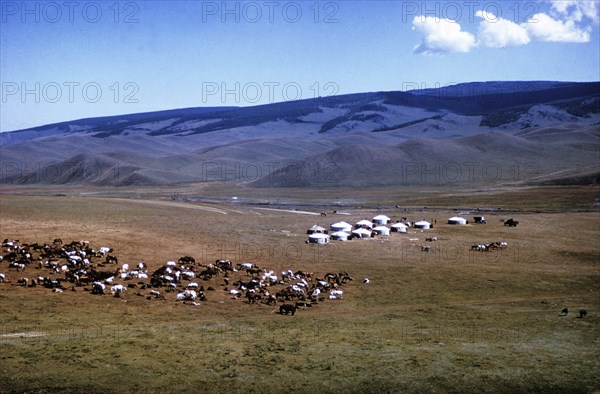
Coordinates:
x,y
449,320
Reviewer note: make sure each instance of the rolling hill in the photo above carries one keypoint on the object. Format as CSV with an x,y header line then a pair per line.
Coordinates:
x,y
467,134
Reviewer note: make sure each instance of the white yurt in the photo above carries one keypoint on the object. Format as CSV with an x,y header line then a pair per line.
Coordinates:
x,y
362,233
381,230
318,238
316,230
364,223
399,228
381,219
340,236
341,226
423,225
457,220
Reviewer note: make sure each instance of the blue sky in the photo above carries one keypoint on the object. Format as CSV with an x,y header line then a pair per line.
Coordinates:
x,y
69,60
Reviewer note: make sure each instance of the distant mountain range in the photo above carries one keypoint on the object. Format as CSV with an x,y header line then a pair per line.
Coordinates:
x,y
519,132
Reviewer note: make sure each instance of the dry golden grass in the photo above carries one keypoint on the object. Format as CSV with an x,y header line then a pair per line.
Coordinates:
x,y
446,321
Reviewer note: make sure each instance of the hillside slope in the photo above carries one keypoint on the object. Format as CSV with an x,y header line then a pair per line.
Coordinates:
x,y
465,134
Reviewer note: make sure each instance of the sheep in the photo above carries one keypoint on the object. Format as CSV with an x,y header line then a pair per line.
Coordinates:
x,y
98,288
188,275
188,295
582,313
315,293
2,277
245,266
104,250
366,281
336,294
117,290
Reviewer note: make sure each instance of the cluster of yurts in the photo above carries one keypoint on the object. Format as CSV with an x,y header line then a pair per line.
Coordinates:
x,y
342,231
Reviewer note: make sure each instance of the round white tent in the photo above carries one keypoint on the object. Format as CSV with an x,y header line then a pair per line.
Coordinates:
x,y
316,230
399,227
381,230
318,238
364,223
341,226
457,220
361,233
340,236
381,219
423,225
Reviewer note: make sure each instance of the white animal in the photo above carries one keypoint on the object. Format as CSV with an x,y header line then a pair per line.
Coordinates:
x,y
188,295
366,281
336,294
188,274
104,250
118,289
155,293
2,277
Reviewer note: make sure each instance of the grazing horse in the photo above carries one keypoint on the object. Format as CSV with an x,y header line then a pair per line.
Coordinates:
x,y
287,308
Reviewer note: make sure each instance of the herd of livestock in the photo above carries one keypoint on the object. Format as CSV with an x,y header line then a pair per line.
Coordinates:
x,y
61,266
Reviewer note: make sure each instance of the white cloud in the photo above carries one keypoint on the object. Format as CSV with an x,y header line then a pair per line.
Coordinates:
x,y
576,10
544,28
441,36
495,32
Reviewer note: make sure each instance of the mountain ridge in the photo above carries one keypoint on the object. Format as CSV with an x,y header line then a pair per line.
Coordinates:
x,y
362,138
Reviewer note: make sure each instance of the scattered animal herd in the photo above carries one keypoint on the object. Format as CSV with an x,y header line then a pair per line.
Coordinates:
x,y
490,246
60,266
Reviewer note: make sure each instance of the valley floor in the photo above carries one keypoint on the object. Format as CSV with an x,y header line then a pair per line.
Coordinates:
x,y
450,320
